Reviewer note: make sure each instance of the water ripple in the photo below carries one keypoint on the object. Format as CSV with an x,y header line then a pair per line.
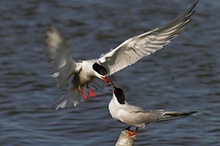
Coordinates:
x,y
185,75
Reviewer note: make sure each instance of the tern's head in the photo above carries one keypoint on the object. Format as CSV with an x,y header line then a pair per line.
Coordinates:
x,y
100,72
119,94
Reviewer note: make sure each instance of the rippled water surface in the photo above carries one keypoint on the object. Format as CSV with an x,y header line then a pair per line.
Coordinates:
x,y
184,76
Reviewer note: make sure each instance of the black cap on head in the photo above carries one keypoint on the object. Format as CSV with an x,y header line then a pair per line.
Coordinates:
x,y
99,69
119,93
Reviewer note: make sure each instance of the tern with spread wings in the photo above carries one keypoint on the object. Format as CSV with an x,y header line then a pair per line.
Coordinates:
x,y
84,71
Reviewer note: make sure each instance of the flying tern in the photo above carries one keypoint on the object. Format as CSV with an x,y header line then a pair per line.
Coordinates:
x,y
136,116
84,71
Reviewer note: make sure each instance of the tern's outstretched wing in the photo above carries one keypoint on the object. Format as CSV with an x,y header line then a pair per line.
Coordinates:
x,y
59,56
133,49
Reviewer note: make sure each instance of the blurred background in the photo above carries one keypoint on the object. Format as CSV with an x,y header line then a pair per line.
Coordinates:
x,y
183,76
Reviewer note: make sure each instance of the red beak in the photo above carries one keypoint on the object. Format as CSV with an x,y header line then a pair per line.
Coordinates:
x,y
105,79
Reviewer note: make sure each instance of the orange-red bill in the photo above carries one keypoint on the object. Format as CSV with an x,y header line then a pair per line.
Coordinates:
x,y
105,79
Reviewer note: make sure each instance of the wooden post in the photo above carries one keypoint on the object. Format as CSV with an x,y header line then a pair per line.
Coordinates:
x,y
124,139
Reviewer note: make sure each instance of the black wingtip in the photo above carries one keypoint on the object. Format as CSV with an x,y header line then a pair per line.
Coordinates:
x,y
196,3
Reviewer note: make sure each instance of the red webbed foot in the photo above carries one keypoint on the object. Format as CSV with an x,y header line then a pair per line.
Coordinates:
x,y
132,133
83,95
91,93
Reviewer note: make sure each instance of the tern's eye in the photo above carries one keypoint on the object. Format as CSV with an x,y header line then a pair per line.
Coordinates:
x,y
99,69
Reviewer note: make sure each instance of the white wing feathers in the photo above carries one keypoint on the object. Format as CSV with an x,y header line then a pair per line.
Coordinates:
x,y
133,49
59,56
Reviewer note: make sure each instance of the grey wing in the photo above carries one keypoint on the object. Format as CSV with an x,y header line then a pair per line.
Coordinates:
x,y
136,116
162,115
133,49
145,117
59,56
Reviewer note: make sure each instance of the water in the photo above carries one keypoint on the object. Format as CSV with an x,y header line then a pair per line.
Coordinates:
x,y
185,75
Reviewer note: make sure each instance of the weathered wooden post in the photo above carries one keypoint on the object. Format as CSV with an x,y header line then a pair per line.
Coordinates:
x,y
124,139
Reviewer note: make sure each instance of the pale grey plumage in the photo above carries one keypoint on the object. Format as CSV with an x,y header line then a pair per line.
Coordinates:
x,y
59,55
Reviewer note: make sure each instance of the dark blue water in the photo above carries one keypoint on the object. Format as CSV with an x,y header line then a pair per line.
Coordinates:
x,y
183,76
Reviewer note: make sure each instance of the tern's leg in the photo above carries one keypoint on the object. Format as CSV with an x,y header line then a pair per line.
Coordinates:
x,y
83,95
91,94
131,133
128,128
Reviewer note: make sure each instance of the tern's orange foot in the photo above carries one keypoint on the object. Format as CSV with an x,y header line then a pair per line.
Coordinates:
x,y
83,95
128,128
132,133
91,94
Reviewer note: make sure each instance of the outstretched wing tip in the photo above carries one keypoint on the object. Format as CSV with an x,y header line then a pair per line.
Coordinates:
x,y
133,49
60,60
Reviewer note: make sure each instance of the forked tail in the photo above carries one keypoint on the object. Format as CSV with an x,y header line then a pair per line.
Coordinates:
x,y
72,96
169,115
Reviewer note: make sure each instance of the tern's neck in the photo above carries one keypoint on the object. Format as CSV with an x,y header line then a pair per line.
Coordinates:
x,y
119,99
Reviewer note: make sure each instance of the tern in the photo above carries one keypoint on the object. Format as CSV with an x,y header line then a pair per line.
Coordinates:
x,y
136,116
84,71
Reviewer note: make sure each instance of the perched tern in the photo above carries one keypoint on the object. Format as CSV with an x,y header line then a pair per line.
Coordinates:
x,y
84,71
135,116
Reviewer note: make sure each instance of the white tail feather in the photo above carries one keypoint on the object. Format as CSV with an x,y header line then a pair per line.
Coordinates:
x,y
72,96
